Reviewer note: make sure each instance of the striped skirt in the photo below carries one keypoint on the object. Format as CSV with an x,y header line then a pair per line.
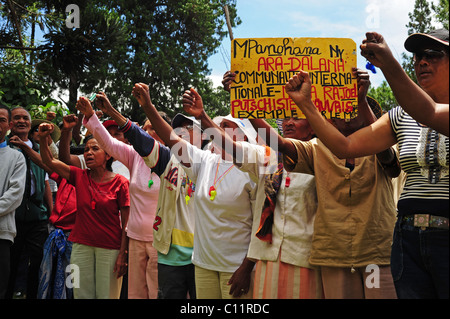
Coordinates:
x,y
278,280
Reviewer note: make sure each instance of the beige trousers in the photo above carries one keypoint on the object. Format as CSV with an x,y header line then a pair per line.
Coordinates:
x,y
211,284
142,270
95,278
361,283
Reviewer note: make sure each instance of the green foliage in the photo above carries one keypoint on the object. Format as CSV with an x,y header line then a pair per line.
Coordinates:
x,y
420,18
19,87
72,57
164,43
441,10
420,22
383,94
168,48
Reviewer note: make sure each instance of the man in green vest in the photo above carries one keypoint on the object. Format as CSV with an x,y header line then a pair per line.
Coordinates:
x,y
32,214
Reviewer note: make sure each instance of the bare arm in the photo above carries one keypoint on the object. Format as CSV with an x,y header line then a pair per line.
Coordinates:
x,y
270,135
69,122
162,128
282,144
105,106
48,198
370,140
32,154
193,105
55,165
120,267
76,134
414,100
387,158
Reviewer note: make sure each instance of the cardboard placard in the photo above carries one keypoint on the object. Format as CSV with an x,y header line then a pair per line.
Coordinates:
x,y
265,65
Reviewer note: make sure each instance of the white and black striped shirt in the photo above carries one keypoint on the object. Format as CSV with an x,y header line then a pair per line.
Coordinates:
x,y
424,156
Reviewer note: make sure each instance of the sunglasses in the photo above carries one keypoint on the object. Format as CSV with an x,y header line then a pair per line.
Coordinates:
x,y
430,55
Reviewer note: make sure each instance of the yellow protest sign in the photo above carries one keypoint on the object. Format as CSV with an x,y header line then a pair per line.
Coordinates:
x,y
264,65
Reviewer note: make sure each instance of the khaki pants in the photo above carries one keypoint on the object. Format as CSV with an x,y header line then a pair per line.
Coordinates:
x,y
342,283
211,284
142,270
96,279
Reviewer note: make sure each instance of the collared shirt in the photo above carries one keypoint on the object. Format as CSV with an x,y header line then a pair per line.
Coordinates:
x,y
294,213
356,212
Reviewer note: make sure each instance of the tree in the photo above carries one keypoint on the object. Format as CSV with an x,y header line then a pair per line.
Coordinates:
x,y
72,57
165,43
168,48
420,23
20,83
19,87
384,95
19,20
441,11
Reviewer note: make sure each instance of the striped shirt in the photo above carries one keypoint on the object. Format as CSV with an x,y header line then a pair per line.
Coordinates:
x,y
424,156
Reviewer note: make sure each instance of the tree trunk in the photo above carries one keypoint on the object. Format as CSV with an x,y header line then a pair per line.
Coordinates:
x,y
73,92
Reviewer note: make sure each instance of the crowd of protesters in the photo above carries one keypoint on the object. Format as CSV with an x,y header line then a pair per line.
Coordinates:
x,y
201,208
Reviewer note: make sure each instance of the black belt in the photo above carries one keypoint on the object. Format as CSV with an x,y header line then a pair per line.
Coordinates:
x,y
425,221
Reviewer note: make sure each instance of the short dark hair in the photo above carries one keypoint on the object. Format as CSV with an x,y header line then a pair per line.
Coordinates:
x,y
4,107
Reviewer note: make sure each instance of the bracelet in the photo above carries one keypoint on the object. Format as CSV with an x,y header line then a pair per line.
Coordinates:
x,y
125,125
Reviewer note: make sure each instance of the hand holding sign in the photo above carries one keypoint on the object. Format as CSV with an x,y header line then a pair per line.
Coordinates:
x,y
228,79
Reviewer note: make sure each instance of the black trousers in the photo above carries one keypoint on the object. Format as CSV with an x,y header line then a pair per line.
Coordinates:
x,y
29,242
176,282
5,248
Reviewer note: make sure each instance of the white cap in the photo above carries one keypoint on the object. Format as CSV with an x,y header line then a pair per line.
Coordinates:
x,y
244,124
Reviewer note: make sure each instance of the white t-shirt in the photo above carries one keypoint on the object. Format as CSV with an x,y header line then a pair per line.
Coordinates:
x,y
223,226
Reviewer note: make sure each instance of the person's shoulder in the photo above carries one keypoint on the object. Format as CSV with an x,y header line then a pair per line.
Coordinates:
x,y
121,179
13,155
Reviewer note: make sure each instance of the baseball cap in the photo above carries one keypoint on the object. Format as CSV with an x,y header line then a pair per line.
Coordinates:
x,y
244,124
417,41
110,123
180,118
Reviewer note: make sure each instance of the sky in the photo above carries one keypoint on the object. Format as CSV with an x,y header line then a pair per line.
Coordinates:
x,y
319,18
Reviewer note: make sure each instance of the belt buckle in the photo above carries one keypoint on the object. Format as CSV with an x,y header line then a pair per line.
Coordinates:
x,y
422,221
